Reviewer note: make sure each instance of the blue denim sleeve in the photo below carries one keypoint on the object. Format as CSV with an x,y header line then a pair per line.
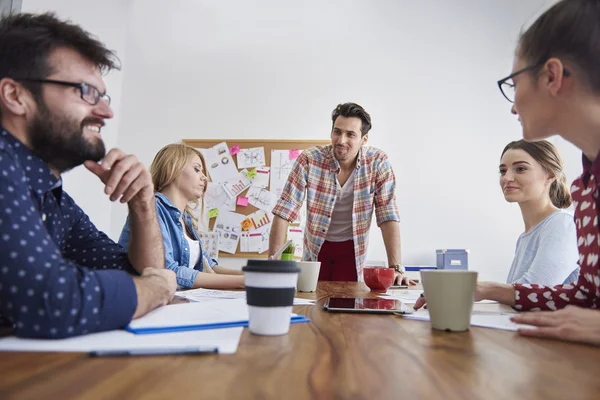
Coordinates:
x,y
185,276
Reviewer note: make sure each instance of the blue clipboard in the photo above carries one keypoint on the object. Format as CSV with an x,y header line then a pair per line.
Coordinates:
x,y
201,327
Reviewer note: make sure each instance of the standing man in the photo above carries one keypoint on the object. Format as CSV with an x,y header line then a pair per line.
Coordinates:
x,y
343,183
59,275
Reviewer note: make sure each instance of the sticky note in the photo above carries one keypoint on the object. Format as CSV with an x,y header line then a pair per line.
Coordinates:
x,y
234,149
213,212
294,153
242,201
251,174
246,224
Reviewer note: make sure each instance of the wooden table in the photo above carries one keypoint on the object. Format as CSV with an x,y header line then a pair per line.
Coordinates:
x,y
336,356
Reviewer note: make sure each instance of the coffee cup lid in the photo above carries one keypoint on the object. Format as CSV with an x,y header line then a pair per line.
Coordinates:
x,y
273,266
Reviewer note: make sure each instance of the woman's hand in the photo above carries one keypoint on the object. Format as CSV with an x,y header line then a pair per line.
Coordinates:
x,y
573,324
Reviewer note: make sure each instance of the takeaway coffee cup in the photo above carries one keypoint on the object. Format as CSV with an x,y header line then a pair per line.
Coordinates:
x,y
270,289
309,275
450,296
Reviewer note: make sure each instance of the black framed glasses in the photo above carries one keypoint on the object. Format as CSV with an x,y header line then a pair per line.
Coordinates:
x,y
507,87
89,93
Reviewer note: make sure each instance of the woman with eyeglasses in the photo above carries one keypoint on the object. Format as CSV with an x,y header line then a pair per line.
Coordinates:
x,y
555,88
178,176
531,175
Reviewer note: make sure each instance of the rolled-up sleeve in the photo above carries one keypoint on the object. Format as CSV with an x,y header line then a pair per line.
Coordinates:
x,y
385,197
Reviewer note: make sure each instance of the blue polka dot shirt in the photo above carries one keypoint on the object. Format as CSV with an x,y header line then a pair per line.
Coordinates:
x,y
59,275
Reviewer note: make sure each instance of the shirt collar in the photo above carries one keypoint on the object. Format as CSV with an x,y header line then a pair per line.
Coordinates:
x,y
590,168
39,176
334,165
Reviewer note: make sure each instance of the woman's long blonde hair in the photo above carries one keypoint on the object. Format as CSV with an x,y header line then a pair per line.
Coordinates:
x,y
168,164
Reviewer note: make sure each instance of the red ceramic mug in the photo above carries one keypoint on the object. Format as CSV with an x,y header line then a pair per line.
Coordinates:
x,y
379,279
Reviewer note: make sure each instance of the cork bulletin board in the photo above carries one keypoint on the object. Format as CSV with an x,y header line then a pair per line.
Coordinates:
x,y
268,145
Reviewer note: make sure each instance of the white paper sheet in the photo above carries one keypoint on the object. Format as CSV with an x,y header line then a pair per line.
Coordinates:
x,y
252,157
262,177
296,234
210,244
228,227
255,241
228,241
261,218
215,197
219,163
281,166
206,295
226,340
261,198
410,296
235,186
483,319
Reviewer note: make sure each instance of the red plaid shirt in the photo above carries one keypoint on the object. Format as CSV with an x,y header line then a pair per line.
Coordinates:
x,y
586,292
314,173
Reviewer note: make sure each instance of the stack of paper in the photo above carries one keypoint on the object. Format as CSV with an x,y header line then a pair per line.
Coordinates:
x,y
204,295
216,314
226,340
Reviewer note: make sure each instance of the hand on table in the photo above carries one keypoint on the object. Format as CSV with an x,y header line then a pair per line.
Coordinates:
x,y
573,324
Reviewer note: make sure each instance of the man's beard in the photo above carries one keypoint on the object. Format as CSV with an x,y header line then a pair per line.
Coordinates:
x,y
58,140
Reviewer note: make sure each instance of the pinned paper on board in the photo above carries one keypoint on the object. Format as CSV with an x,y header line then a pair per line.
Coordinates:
x,y
228,226
215,197
261,198
281,166
253,157
261,179
233,150
219,163
228,241
251,173
297,235
261,218
230,221
234,187
242,201
247,225
256,241
210,244
294,153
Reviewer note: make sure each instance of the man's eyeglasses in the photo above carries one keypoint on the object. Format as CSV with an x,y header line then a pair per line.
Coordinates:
x,y
89,93
508,88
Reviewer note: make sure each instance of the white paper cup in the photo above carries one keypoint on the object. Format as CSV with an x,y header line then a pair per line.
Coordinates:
x,y
309,275
450,296
270,290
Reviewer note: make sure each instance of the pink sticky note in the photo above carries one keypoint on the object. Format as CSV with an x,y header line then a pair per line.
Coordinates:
x,y
294,153
234,149
242,201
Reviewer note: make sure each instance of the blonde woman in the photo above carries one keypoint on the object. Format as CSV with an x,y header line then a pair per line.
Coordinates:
x,y
178,177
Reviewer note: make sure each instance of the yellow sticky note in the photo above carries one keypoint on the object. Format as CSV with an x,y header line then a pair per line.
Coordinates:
x,y
213,212
251,173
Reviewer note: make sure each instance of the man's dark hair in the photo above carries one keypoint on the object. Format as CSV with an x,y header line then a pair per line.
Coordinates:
x,y
27,40
350,110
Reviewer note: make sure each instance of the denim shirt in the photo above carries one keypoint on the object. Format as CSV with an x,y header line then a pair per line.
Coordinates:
x,y
177,252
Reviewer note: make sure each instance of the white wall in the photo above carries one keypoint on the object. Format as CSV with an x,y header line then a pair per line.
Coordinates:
x,y
106,19
426,71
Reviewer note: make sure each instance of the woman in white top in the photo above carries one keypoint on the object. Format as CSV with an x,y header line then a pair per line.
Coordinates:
x,y
178,177
531,174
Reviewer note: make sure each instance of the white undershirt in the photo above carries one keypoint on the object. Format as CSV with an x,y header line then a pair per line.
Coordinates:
x,y
340,228
194,247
